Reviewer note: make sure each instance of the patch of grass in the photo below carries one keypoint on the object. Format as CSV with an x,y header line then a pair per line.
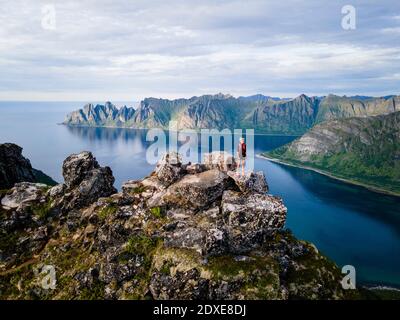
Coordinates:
x,y
138,190
387,294
42,210
166,267
96,292
144,247
3,213
156,212
107,211
227,266
3,192
8,240
258,276
9,283
140,245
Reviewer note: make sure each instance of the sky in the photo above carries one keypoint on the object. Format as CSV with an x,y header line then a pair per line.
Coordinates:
x,y
124,50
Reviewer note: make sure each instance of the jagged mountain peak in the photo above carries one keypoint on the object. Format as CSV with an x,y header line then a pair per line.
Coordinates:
x,y
265,114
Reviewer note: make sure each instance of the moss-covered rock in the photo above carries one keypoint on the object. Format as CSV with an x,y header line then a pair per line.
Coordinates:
x,y
123,246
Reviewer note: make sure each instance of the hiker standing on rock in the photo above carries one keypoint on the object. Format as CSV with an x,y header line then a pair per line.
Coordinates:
x,y
241,152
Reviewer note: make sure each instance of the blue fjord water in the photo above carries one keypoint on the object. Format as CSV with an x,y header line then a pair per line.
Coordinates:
x,y
351,225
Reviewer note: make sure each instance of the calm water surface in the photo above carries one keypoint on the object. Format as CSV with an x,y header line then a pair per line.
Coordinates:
x,y
350,224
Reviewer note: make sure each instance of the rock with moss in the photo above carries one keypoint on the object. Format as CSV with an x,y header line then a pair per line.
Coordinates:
x,y
199,236
85,181
169,169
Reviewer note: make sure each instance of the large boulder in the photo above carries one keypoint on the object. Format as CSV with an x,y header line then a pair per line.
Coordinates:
x,y
23,194
14,167
169,169
251,182
77,166
251,217
85,181
198,191
204,233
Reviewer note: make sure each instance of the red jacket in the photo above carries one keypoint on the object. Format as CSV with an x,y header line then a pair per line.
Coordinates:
x,y
242,149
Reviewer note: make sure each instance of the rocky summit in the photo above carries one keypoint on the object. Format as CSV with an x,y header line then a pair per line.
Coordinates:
x,y
187,231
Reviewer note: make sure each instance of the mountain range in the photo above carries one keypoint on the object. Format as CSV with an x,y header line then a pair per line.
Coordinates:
x,y
263,113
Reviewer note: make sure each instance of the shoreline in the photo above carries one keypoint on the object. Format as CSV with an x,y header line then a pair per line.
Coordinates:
x,y
330,175
167,129
381,287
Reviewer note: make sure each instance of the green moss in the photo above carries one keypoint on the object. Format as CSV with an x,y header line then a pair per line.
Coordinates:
x,y
10,283
42,210
107,211
258,276
95,292
138,190
227,266
8,240
140,245
166,267
156,212
145,248
3,192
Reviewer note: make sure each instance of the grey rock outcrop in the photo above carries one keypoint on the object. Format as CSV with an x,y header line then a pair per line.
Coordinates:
x,y
191,236
85,181
251,182
23,194
169,168
250,218
198,191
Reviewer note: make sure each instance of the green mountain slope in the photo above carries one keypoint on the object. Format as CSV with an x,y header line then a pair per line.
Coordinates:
x,y
365,150
335,107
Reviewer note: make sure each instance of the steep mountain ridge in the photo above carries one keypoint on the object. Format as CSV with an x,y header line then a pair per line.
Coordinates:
x,y
264,114
294,116
335,107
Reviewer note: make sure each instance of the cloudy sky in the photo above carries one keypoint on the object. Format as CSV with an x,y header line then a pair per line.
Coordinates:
x,y
123,50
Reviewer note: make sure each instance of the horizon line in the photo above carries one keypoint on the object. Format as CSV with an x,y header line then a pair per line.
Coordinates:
x,y
207,94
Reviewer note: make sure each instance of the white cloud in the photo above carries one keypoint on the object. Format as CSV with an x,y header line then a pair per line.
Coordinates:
x,y
131,49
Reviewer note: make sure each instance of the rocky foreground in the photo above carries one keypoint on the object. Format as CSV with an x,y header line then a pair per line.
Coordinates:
x,y
187,231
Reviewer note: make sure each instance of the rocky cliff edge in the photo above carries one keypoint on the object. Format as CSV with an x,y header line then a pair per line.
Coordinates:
x,y
187,231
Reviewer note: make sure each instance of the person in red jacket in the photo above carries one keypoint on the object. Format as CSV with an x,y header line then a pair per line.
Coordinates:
x,y
241,154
